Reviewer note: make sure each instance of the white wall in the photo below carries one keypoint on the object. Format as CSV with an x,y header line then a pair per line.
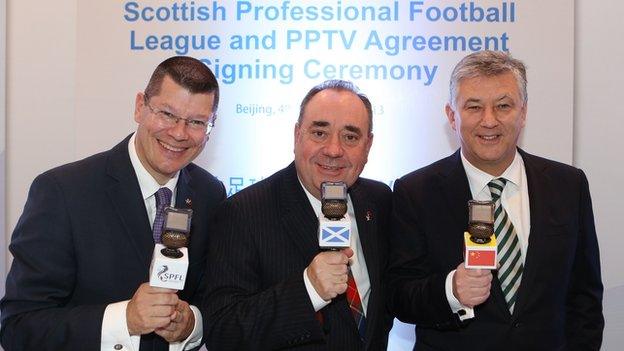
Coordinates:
x,y
598,142
41,63
599,120
2,135
41,51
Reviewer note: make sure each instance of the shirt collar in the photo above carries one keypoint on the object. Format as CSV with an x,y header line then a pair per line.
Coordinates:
x,y
147,183
479,179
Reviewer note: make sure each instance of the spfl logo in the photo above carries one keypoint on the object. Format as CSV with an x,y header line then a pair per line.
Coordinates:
x,y
164,276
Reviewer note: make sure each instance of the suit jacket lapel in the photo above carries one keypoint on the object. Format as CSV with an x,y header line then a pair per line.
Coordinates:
x,y
127,201
538,187
298,217
456,191
184,196
366,217
184,200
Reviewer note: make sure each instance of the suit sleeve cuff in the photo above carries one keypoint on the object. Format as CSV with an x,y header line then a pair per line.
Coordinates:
x,y
194,339
315,298
462,311
115,334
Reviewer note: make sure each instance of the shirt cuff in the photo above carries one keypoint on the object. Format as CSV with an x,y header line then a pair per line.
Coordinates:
x,y
315,298
115,334
462,311
194,339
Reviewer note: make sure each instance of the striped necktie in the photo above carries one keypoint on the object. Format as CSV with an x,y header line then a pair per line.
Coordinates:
x,y
510,265
355,303
163,199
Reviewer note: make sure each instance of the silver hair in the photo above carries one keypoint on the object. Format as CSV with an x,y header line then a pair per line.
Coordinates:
x,y
488,64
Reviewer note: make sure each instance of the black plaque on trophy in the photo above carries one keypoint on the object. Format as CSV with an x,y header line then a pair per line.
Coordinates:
x,y
333,200
480,221
176,231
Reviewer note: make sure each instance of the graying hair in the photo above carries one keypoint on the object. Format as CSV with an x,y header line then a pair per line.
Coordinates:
x,y
339,85
488,64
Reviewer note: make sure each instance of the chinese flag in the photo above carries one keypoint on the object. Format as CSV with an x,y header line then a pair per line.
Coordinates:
x,y
481,258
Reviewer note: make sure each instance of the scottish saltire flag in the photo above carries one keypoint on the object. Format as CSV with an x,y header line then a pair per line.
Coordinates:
x,y
339,236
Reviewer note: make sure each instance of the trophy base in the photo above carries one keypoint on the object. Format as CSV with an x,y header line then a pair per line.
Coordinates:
x,y
480,240
171,253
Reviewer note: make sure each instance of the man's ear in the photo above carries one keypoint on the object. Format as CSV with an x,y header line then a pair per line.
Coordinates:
x,y
450,115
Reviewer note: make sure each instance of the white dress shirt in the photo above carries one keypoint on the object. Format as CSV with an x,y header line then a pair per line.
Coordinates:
x,y
115,334
356,262
514,199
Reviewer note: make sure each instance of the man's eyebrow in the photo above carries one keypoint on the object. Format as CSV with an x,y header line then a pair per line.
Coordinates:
x,y
353,129
320,123
473,100
504,96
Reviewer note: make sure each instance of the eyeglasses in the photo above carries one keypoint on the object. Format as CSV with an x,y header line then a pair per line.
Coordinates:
x,y
169,120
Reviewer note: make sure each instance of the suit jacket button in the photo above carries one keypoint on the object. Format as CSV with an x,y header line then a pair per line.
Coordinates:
x,y
517,325
118,347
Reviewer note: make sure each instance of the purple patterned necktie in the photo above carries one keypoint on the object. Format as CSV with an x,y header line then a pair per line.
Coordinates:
x,y
163,199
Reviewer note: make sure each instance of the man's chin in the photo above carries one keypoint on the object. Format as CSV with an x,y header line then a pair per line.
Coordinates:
x,y
171,170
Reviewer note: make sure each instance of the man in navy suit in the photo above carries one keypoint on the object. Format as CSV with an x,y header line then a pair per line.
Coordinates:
x,y
83,245
273,288
547,292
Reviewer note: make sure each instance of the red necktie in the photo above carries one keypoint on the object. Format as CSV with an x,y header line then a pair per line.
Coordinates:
x,y
353,298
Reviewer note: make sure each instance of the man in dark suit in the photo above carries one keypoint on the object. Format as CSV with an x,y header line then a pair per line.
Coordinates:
x,y
274,288
83,245
547,292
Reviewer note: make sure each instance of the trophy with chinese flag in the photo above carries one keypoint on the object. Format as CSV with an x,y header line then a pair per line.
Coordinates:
x,y
479,240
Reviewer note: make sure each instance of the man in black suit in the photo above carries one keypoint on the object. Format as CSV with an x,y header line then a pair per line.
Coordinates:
x,y
83,245
274,288
547,292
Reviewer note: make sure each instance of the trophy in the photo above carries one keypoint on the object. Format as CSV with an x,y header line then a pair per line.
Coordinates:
x,y
333,200
334,226
481,221
170,261
176,231
479,240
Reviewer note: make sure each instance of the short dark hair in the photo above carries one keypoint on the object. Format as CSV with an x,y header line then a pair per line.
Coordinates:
x,y
488,63
189,73
339,85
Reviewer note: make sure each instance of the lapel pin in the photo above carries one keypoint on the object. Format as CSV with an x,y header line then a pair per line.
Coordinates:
x,y
369,215
188,202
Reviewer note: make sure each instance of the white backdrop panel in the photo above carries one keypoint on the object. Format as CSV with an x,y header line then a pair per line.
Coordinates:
x,y
114,62
3,259
120,42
